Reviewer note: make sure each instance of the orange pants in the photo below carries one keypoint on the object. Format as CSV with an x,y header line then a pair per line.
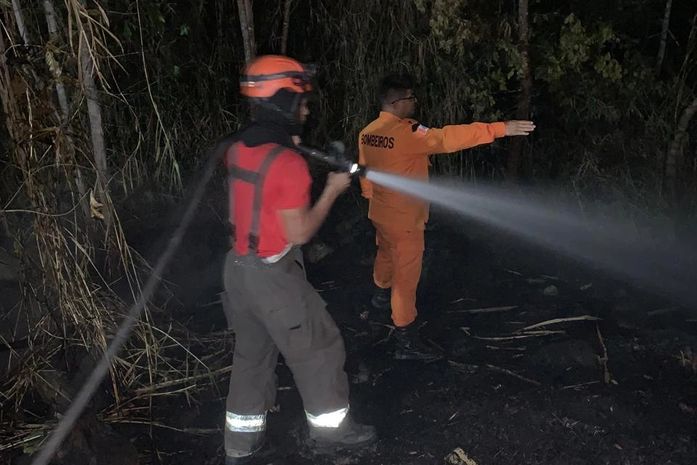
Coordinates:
x,y
398,266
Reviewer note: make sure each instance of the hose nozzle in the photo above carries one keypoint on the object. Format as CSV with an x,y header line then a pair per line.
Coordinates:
x,y
335,157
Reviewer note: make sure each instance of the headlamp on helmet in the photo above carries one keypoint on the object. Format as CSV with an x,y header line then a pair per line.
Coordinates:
x,y
266,75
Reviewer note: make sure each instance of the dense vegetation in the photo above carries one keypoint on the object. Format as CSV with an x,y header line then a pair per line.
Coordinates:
x,y
106,104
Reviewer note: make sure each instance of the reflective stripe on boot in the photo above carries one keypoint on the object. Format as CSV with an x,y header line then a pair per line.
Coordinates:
x,y
245,423
244,436
347,434
327,420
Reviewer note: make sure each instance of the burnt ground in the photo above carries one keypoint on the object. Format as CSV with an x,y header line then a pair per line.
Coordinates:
x,y
619,390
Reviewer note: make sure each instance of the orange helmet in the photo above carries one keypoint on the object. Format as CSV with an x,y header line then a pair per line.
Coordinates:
x,y
268,74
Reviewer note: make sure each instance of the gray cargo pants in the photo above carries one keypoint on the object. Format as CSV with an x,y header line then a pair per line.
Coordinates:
x,y
274,308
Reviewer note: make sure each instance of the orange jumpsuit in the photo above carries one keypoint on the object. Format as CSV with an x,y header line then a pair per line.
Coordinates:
x,y
402,146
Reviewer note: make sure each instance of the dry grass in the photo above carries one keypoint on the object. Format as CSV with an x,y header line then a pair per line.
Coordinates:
x,y
72,257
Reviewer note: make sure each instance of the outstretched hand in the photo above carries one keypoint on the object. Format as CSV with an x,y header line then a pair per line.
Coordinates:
x,y
519,128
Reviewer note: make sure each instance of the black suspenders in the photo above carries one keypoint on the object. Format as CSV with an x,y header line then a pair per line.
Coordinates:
x,y
256,178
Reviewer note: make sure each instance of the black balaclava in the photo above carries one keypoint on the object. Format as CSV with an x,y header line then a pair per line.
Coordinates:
x,y
275,119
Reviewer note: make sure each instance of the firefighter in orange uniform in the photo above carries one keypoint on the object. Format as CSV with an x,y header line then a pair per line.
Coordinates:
x,y
393,143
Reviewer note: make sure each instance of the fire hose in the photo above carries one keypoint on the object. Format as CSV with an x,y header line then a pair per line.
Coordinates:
x,y
334,157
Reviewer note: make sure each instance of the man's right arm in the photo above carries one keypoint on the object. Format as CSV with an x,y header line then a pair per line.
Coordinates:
x,y
300,224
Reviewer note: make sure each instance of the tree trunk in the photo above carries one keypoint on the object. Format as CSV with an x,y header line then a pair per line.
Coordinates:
x,y
664,36
247,26
523,107
674,158
286,27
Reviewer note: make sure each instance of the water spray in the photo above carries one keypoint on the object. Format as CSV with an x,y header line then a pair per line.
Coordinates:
x,y
664,268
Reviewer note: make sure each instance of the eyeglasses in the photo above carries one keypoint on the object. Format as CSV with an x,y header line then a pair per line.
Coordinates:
x,y
411,97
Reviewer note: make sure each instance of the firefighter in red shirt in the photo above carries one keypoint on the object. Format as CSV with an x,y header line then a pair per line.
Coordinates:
x,y
270,305
395,143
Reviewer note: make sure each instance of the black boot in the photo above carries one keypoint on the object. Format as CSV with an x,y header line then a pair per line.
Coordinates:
x,y
244,449
410,347
245,460
381,298
348,435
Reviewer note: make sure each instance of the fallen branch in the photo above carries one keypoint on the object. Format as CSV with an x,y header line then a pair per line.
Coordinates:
x,y
527,335
389,334
463,367
514,374
174,382
485,310
559,320
688,359
196,431
607,377
576,386
458,457
513,349
19,442
663,311
463,299
434,344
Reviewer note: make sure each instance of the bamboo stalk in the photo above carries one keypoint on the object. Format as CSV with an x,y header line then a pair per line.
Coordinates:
x,y
61,93
94,111
664,36
523,105
247,26
50,13
286,27
673,160
176,178
21,25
